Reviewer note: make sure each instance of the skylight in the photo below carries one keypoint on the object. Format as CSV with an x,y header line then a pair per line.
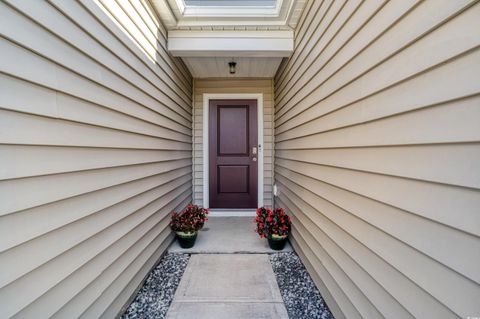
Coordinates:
x,y
228,14
229,8
231,3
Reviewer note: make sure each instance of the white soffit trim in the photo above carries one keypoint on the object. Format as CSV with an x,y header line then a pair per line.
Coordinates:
x,y
230,43
165,13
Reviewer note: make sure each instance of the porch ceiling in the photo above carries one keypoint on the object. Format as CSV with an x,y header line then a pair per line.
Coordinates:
x,y
217,67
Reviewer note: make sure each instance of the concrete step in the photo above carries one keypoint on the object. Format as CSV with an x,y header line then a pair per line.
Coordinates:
x,y
228,235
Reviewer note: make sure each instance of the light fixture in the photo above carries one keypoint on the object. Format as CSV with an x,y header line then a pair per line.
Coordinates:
x,y
232,67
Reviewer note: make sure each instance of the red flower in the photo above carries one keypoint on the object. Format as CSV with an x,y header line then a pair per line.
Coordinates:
x,y
272,222
191,219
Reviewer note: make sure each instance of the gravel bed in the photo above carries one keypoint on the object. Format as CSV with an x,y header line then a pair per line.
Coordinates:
x,y
154,298
300,295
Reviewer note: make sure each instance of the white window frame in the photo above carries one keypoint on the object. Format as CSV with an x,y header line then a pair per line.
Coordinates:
x,y
206,180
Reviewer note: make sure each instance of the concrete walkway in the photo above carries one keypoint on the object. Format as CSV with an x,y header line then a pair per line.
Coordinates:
x,y
228,276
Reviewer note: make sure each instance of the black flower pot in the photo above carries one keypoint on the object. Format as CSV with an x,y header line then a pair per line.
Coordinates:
x,y
277,242
186,240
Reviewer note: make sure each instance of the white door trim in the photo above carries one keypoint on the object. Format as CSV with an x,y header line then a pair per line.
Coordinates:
x,y
234,96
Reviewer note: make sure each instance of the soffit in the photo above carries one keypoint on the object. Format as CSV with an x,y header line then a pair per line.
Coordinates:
x,y
247,67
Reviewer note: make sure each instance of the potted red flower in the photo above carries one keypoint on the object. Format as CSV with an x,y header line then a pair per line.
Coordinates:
x,y
273,225
187,223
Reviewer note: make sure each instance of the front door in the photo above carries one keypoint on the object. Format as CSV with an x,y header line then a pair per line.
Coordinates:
x,y
233,153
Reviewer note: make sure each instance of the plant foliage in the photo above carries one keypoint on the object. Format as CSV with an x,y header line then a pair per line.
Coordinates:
x,y
190,220
272,222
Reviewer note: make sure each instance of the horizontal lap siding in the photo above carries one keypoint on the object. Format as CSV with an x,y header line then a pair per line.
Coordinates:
x,y
232,86
95,151
377,141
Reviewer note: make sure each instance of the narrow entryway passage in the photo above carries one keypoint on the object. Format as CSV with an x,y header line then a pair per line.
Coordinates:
x,y
229,273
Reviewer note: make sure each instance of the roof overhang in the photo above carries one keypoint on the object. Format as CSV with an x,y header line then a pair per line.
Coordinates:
x,y
238,14
230,43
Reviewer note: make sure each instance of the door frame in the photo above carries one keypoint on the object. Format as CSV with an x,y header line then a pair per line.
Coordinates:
x,y
206,179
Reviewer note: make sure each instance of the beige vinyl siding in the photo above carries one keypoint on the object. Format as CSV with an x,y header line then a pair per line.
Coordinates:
x,y
377,141
233,86
95,152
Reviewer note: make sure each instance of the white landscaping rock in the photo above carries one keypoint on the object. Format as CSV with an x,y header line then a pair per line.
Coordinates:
x,y
154,298
301,296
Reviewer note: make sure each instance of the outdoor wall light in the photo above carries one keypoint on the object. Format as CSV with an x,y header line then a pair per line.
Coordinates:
x,y
232,67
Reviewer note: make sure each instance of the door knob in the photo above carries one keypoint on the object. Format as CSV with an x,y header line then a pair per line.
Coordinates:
x,y
254,159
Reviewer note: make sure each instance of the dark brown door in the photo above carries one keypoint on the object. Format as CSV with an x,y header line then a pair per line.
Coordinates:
x,y
233,153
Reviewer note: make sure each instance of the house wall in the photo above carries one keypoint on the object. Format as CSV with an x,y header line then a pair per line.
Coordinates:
x,y
263,86
95,151
377,155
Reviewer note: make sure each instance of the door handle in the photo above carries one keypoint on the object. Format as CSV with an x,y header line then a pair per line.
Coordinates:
x,y
254,150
